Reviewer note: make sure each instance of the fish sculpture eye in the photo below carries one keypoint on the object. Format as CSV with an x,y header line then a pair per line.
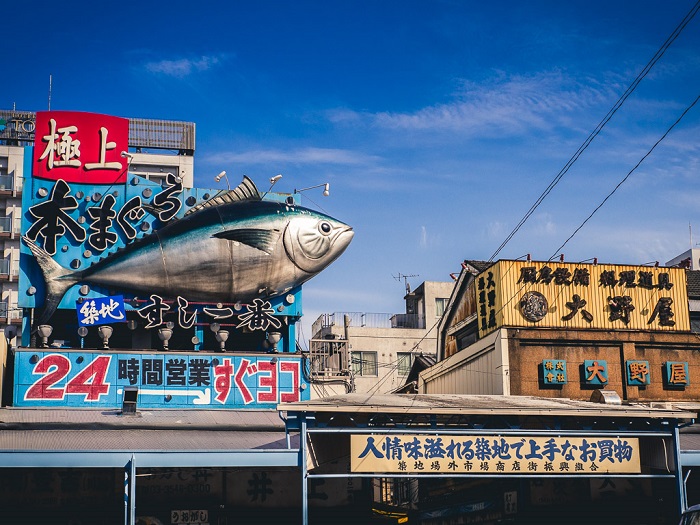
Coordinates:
x,y
325,227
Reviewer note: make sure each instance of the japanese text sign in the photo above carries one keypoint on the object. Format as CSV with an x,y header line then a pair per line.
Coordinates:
x,y
101,310
581,296
554,372
182,380
80,147
676,374
514,455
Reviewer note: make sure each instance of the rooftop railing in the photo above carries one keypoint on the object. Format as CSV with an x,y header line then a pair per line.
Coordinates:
x,y
368,320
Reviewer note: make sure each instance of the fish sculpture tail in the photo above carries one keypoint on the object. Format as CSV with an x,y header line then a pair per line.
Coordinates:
x,y
58,280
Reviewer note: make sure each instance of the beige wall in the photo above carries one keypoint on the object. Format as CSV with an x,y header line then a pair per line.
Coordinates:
x,y
481,369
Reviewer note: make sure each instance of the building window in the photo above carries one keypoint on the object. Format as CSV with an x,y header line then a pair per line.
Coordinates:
x,y
440,305
364,363
404,362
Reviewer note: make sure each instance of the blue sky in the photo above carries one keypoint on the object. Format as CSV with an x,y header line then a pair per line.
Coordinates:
x,y
438,124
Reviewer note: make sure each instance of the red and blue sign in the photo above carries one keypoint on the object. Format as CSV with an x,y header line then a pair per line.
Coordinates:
x,y
198,380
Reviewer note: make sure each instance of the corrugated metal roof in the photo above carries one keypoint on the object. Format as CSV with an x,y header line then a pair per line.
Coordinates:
x,y
477,404
47,418
97,438
693,277
479,266
139,440
88,429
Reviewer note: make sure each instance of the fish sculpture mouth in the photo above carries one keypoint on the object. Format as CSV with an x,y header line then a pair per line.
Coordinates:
x,y
312,244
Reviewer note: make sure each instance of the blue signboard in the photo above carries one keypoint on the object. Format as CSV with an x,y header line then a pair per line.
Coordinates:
x,y
554,371
101,310
164,380
638,373
595,372
676,374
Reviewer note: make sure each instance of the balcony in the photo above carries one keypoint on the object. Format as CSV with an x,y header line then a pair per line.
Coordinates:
x,y
9,315
9,227
7,186
8,271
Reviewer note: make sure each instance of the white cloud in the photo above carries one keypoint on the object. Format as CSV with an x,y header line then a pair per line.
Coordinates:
x,y
301,156
504,105
184,67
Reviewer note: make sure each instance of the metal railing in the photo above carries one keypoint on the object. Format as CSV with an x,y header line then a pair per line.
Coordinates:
x,y
14,313
7,182
328,358
368,320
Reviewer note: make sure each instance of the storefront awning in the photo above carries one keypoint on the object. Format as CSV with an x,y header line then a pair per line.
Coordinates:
x,y
92,438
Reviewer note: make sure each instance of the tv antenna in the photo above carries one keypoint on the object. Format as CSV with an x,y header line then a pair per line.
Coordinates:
x,y
405,280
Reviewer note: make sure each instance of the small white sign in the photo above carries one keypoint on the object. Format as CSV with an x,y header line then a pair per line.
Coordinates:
x,y
189,517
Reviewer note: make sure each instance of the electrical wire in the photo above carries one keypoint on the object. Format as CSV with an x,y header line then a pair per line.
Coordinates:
x,y
558,250
657,56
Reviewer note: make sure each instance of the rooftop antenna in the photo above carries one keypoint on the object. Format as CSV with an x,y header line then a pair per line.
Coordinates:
x,y
50,82
405,280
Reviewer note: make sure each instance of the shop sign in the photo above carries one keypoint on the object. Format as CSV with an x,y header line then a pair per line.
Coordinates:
x,y
554,372
80,147
189,517
183,380
581,296
638,373
500,455
676,374
101,310
595,372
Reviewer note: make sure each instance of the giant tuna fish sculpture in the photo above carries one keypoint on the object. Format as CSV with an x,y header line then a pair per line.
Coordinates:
x,y
232,248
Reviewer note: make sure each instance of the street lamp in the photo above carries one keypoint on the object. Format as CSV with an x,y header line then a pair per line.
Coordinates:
x,y
222,337
129,157
326,189
223,175
273,338
105,332
45,331
165,334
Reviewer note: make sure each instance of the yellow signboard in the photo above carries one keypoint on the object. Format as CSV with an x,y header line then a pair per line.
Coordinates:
x,y
577,295
506,455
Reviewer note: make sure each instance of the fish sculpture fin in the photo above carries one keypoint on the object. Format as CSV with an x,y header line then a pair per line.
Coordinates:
x,y
245,191
263,240
58,280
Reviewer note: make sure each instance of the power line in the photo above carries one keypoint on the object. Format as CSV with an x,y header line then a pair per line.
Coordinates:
x,y
558,250
657,56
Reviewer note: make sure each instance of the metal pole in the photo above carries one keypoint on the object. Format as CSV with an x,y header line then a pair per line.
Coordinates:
x,y
682,503
132,492
304,474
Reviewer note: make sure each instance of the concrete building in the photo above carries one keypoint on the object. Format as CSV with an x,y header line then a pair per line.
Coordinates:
x,y
374,352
